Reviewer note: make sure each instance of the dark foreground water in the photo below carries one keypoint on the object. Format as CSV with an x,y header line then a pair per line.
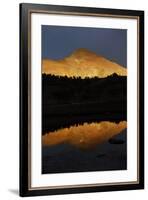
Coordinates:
x,y
112,155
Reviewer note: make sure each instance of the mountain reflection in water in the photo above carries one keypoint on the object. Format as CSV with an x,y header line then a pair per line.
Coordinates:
x,y
86,136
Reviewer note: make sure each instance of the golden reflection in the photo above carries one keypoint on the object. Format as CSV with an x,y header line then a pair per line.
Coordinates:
x,y
84,136
83,63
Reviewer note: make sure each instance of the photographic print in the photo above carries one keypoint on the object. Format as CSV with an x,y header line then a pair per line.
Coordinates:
x,y
84,99
81,99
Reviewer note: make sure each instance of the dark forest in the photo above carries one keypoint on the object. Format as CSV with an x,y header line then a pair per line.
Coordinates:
x,y
68,101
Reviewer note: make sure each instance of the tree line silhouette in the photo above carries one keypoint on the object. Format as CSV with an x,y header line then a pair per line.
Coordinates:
x,y
76,100
60,90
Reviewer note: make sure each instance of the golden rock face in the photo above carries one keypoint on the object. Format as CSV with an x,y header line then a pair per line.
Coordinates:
x,y
83,63
86,136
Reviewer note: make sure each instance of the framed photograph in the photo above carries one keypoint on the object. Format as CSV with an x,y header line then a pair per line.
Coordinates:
x,y
81,99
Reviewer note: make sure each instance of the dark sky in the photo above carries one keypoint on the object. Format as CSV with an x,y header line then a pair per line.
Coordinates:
x,y
60,41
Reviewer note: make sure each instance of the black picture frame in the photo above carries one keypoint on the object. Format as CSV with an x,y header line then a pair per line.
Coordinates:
x,y
25,13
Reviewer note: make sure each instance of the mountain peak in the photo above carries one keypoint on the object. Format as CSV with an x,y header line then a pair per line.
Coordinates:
x,y
84,63
82,52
